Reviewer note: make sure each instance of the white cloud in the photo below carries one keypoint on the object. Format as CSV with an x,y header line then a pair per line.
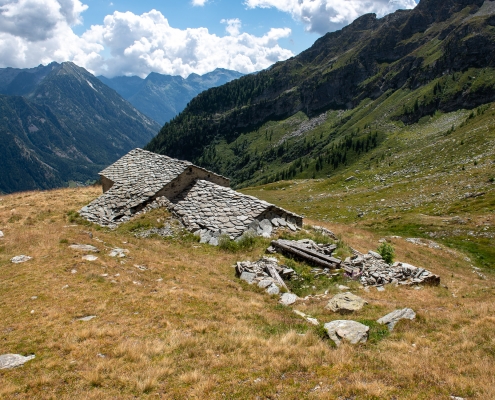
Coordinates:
x,y
36,20
39,31
139,44
233,26
36,32
328,15
199,3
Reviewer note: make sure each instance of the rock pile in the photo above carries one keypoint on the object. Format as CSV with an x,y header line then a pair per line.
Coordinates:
x,y
371,270
266,273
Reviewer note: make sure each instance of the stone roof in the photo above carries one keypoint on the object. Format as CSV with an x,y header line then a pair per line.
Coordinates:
x,y
208,206
149,171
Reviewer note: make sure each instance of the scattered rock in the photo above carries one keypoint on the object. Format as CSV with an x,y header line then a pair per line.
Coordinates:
x,y
20,259
346,303
118,253
351,331
90,257
380,288
311,320
8,361
141,267
1,234
325,232
342,287
395,316
86,319
424,242
84,247
288,298
351,178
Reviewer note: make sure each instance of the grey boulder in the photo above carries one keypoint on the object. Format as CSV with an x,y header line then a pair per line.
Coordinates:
x,y
248,277
351,331
8,361
20,259
288,298
395,316
84,247
346,303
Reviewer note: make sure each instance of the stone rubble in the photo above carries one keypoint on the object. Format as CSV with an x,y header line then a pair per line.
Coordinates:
x,y
373,271
20,259
395,316
257,273
345,303
351,331
8,361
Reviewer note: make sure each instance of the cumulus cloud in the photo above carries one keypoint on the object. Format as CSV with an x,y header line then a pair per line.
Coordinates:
x,y
139,44
40,31
37,20
233,26
199,3
323,16
36,32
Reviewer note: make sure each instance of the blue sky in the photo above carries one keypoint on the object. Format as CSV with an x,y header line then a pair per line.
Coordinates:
x,y
183,15
124,37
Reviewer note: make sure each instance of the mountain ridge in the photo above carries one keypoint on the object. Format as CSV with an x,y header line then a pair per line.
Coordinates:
x,y
65,123
162,97
369,60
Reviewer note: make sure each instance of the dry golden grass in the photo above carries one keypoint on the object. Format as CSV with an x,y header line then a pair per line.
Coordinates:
x,y
187,328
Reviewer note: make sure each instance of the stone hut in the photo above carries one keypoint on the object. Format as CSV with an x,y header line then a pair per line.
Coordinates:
x,y
142,180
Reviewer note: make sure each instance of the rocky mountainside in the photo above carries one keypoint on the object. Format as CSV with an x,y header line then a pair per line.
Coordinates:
x,y
59,123
162,97
341,98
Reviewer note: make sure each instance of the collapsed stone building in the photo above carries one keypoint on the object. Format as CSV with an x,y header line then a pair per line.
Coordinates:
x,y
202,200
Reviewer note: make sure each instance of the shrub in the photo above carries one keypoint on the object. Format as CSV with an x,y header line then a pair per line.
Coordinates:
x,y
386,250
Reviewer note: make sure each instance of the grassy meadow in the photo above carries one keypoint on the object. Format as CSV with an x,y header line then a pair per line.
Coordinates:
x,y
186,327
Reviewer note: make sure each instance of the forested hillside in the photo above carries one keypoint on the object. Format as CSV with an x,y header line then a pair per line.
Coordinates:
x,y
59,123
322,110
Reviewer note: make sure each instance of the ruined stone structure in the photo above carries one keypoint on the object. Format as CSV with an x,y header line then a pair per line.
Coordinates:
x,y
142,180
